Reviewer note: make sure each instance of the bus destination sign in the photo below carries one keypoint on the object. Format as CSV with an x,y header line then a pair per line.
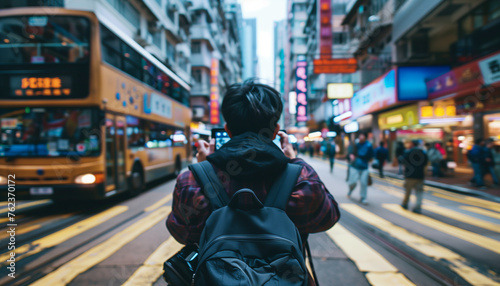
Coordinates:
x,y
57,87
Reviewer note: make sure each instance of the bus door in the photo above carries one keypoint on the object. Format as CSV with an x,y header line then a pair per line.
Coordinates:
x,y
115,153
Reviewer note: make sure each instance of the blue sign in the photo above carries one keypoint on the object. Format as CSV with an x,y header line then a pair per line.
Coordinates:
x,y
412,81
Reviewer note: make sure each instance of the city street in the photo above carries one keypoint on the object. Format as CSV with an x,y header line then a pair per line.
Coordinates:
x,y
455,241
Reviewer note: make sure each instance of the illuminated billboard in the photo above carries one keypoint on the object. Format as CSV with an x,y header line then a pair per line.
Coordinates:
x,y
340,90
214,93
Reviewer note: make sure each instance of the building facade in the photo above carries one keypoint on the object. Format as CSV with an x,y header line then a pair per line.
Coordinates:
x,y
249,48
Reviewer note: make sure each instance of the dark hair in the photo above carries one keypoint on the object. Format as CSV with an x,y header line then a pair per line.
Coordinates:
x,y
479,141
415,142
251,106
382,143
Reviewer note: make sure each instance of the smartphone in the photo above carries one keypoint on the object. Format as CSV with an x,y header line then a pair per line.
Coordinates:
x,y
221,137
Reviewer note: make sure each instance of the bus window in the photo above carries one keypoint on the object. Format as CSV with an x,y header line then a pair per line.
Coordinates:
x,y
42,39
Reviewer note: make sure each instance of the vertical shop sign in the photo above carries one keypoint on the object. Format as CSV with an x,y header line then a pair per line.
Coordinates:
x,y
325,27
214,93
301,89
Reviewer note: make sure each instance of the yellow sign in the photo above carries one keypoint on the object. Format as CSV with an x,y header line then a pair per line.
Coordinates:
x,y
340,90
40,82
406,116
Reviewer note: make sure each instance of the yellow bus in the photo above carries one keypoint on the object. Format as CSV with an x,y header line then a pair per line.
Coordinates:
x,y
85,112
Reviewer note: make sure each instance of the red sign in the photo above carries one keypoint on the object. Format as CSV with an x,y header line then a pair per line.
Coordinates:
x,y
325,27
214,93
349,65
465,80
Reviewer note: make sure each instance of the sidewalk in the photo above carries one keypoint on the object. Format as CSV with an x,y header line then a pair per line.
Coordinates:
x,y
458,182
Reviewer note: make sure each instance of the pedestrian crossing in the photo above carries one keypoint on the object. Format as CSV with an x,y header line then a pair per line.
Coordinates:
x,y
386,219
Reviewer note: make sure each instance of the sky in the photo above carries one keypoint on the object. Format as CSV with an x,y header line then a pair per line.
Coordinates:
x,y
266,12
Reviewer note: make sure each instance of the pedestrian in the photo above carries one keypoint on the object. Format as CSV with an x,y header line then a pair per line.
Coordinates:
x,y
311,150
476,158
350,150
435,157
496,158
360,158
381,154
489,166
332,151
251,160
414,160
400,150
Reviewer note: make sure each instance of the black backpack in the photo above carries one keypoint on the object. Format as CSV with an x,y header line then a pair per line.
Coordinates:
x,y
249,246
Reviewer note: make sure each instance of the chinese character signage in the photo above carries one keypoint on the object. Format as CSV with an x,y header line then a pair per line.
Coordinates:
x,y
51,87
344,66
301,90
214,93
490,68
325,27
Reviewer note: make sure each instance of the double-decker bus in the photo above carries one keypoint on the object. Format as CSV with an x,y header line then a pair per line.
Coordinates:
x,y
85,112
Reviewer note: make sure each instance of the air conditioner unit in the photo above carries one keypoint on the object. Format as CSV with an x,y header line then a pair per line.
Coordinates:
x,y
154,27
141,40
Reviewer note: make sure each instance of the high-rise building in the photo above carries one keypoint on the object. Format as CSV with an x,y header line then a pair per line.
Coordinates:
x,y
249,48
216,60
280,43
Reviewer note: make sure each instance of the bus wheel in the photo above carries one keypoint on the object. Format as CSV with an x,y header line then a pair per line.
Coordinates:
x,y
137,182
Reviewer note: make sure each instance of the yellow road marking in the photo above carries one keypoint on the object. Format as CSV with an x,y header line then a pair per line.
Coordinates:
x,y
365,257
464,218
421,244
384,279
22,230
479,240
481,211
25,228
152,268
6,219
3,203
399,194
70,270
159,203
26,205
64,234
483,204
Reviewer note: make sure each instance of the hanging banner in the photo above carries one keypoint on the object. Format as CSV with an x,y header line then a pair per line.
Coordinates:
x,y
214,93
325,27
301,89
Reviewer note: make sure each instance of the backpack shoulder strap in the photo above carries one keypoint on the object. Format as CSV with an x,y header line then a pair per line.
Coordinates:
x,y
283,186
210,184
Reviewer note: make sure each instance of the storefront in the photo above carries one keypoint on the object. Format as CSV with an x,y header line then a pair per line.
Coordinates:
x,y
465,103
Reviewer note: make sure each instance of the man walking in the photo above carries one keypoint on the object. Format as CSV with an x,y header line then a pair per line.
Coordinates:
x,y
381,154
360,157
414,161
477,160
489,166
332,151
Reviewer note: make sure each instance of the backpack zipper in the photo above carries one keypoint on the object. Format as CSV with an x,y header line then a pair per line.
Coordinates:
x,y
248,237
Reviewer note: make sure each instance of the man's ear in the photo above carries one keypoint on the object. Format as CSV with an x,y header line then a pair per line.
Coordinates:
x,y
276,130
227,130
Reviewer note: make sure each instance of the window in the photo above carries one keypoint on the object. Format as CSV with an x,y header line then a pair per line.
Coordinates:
x,y
196,47
197,76
340,38
128,11
120,55
171,51
135,132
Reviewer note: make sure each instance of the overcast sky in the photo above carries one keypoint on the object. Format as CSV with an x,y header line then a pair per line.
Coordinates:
x,y
266,12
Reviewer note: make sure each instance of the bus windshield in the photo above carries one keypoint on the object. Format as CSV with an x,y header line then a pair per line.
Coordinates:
x,y
49,132
42,39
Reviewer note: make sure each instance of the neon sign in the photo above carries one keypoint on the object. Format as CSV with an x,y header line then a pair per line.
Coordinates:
x,y
301,89
40,86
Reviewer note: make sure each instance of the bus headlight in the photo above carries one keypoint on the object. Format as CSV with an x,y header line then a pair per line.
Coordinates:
x,y
3,180
87,179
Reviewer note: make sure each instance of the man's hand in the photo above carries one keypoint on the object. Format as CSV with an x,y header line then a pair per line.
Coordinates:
x,y
204,149
286,146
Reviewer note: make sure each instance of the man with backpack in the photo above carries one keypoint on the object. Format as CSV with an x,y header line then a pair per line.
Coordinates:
x,y
256,203
360,158
414,161
476,157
